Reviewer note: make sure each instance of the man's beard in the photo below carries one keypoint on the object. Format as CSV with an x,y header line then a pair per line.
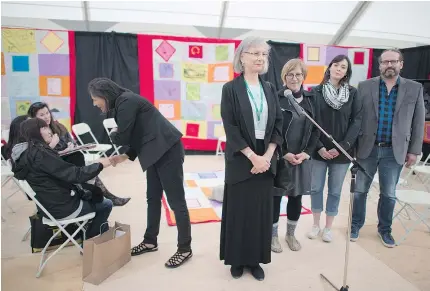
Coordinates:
x,y
390,73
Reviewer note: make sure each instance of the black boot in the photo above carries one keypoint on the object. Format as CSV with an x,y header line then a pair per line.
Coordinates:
x,y
236,271
117,201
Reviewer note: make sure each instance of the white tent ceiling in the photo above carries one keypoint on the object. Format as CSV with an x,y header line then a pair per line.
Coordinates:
x,y
376,24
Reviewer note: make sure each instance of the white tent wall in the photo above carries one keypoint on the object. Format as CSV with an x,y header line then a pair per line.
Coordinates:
x,y
379,25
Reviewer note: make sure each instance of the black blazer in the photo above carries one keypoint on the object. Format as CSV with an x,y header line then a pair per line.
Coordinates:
x,y
236,113
310,133
143,128
343,125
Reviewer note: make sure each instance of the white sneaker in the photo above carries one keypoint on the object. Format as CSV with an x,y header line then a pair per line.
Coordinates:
x,y
313,234
327,236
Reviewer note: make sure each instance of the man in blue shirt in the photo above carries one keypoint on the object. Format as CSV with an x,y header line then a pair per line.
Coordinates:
x,y
392,133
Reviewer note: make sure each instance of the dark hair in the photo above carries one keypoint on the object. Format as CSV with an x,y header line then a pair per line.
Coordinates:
x,y
391,50
338,59
55,126
30,129
15,136
107,89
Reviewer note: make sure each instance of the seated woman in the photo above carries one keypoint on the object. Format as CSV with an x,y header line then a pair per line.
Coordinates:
x,y
54,180
62,141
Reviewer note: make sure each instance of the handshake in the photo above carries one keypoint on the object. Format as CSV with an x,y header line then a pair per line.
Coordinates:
x,y
112,161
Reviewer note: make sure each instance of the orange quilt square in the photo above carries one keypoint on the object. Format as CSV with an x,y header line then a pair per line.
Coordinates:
x,y
315,75
3,70
169,108
198,215
220,72
56,86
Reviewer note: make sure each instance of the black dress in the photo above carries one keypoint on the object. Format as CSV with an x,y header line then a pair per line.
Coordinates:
x,y
246,226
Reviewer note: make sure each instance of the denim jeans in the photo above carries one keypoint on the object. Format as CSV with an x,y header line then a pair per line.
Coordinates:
x,y
98,224
336,176
383,160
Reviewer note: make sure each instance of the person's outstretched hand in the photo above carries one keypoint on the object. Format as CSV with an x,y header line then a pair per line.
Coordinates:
x,y
115,160
105,162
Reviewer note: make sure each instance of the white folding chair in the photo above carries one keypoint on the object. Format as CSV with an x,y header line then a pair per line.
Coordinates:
x,y
7,175
109,124
101,149
221,139
61,224
409,200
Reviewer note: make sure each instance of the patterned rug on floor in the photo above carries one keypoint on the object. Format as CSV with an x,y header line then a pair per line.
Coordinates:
x,y
198,189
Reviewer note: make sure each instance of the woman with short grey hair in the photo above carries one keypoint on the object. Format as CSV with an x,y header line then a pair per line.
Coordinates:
x,y
252,121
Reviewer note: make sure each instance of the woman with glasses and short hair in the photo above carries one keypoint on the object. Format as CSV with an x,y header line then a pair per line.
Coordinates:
x,y
252,121
300,138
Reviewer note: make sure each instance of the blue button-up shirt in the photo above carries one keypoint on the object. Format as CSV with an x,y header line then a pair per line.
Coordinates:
x,y
387,105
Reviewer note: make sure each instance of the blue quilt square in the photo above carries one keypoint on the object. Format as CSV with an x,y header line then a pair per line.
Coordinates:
x,y
20,64
207,175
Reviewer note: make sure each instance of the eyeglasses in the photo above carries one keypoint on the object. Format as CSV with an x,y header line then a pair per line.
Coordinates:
x,y
393,62
256,55
291,76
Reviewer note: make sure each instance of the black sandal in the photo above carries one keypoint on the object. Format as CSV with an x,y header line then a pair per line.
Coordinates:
x,y
142,248
178,259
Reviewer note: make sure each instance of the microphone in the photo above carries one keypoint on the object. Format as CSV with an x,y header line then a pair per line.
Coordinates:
x,y
289,95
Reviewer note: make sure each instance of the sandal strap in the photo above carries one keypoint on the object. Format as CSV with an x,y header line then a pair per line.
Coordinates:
x,y
178,258
141,247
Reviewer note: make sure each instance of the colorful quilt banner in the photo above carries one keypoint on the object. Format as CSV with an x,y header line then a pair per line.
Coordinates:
x,y
35,67
183,77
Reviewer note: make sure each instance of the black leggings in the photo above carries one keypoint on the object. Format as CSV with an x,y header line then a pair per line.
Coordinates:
x,y
294,208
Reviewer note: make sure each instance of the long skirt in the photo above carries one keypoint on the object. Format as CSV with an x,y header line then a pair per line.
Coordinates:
x,y
246,226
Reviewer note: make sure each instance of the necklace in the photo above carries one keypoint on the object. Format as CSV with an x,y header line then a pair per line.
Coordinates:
x,y
258,110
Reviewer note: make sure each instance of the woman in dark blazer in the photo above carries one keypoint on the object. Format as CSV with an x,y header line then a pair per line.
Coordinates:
x,y
300,138
253,122
157,143
341,116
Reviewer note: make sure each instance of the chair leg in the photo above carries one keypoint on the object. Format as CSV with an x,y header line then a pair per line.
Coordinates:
x,y
421,219
43,262
26,234
218,148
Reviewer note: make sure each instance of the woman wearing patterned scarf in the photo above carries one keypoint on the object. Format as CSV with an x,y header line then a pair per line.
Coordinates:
x,y
340,115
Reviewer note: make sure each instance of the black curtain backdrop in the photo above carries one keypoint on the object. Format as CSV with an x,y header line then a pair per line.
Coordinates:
x,y
416,63
280,54
100,54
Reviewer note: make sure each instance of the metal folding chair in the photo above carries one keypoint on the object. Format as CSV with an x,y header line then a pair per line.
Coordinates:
x,y
101,149
109,124
61,224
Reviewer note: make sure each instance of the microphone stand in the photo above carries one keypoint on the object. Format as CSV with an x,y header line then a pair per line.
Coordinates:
x,y
354,170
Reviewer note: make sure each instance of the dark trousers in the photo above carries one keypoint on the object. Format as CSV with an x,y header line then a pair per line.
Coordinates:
x,y
167,174
294,208
103,209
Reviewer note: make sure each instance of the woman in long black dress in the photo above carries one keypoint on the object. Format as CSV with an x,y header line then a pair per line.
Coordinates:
x,y
61,141
253,123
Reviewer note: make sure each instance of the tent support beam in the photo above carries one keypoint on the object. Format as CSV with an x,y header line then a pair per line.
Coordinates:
x,y
222,17
85,13
350,22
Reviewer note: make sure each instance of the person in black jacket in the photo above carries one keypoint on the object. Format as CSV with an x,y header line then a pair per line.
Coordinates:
x,y
63,141
54,180
300,138
340,116
157,143
252,121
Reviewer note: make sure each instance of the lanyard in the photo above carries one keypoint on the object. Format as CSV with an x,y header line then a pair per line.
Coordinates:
x,y
258,111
